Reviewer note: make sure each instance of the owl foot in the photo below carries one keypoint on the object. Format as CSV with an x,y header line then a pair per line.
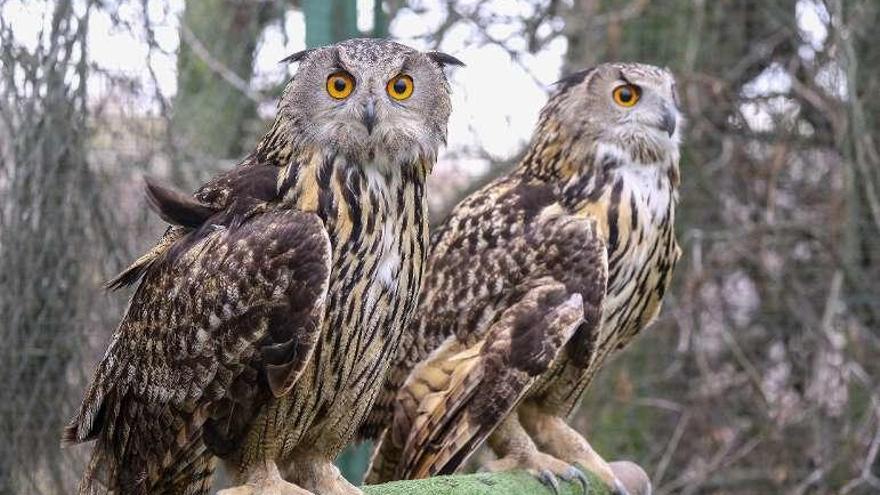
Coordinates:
x,y
609,475
336,486
546,468
553,435
321,476
516,450
265,480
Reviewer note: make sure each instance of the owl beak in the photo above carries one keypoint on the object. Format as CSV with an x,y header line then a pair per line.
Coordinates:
x,y
369,115
668,123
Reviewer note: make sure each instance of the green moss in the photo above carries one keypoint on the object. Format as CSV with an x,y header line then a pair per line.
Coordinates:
x,y
513,483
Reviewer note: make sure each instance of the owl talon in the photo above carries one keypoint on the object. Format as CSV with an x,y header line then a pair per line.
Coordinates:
x,y
576,475
548,479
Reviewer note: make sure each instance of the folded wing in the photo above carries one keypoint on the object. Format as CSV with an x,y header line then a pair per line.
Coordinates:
x,y
489,379
229,313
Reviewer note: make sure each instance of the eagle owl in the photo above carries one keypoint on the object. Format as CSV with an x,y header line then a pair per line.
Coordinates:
x,y
267,315
533,281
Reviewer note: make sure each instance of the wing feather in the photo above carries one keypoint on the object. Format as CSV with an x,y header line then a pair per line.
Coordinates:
x,y
176,207
221,308
485,387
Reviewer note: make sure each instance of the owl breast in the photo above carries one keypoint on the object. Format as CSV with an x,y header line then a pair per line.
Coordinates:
x,y
378,287
637,223
377,224
642,252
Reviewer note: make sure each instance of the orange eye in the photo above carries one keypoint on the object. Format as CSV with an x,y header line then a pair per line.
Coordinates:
x,y
400,87
340,85
626,95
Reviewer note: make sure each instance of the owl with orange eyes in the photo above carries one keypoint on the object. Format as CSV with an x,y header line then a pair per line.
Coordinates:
x,y
265,318
533,282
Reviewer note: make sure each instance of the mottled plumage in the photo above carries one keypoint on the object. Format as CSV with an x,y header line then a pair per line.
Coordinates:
x,y
266,316
534,280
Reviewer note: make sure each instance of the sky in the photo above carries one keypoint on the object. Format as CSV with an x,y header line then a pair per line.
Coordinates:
x,y
495,101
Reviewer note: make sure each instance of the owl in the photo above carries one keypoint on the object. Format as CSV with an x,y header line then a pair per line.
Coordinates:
x,y
265,318
534,281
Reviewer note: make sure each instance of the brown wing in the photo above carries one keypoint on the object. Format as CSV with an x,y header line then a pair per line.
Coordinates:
x,y
488,380
231,311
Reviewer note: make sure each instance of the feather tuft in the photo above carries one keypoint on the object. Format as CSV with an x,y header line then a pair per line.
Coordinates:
x,y
176,207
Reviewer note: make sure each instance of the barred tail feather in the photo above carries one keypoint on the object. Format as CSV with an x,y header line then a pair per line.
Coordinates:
x,y
177,462
423,385
193,476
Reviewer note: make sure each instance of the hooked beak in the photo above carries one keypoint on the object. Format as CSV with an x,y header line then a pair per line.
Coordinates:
x,y
369,115
668,122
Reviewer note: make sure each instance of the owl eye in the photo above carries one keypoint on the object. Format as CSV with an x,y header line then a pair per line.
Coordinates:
x,y
340,85
626,95
400,87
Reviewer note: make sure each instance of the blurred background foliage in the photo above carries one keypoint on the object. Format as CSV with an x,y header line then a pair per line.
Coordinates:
x,y
761,374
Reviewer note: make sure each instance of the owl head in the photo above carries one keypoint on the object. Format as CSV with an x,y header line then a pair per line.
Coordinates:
x,y
628,106
372,100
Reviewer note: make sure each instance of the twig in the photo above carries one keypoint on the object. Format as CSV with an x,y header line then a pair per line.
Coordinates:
x,y
671,447
218,67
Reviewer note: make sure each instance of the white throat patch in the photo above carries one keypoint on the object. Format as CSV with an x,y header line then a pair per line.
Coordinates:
x,y
648,182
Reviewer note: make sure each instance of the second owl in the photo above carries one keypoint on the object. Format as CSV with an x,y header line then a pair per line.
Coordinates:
x,y
533,282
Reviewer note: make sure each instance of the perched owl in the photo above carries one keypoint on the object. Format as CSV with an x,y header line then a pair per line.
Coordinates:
x,y
266,317
533,281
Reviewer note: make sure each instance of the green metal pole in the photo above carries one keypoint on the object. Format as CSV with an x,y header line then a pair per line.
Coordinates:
x,y
380,20
329,21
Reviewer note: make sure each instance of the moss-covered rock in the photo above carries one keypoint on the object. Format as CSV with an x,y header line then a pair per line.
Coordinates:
x,y
513,483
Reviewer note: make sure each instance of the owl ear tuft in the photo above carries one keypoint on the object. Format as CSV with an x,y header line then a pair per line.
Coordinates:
x,y
444,59
296,57
574,79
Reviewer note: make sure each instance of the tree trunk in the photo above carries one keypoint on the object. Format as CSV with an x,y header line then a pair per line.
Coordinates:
x,y
215,65
46,188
